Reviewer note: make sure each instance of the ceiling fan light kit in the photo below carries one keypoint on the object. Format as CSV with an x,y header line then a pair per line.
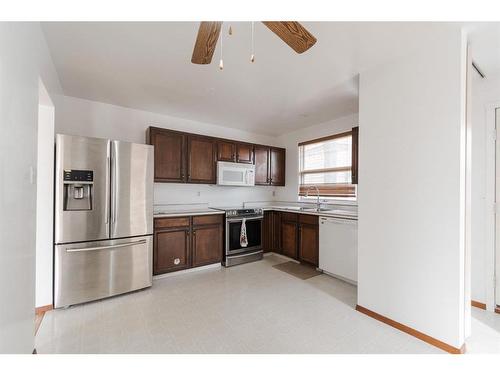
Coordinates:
x,y
292,33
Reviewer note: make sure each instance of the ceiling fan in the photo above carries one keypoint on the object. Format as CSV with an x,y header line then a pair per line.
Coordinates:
x,y
291,32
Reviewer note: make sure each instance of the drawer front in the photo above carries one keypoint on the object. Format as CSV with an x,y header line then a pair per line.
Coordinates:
x,y
207,219
94,270
308,219
289,216
171,222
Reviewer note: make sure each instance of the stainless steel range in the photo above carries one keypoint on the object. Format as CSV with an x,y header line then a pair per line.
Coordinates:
x,y
235,253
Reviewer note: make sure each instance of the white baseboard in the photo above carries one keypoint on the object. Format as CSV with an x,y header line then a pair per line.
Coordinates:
x,y
348,281
189,270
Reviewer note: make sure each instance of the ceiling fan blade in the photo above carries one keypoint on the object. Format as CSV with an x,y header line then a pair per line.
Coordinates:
x,y
293,34
204,48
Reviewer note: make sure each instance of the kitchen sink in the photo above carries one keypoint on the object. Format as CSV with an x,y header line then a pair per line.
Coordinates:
x,y
315,209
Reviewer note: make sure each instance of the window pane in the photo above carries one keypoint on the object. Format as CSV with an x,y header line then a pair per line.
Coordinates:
x,y
329,154
327,178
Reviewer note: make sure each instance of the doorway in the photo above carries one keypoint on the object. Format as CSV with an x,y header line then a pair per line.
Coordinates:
x,y
44,202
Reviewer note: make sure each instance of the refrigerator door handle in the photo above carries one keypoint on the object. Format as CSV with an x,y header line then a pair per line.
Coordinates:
x,y
107,203
106,247
113,185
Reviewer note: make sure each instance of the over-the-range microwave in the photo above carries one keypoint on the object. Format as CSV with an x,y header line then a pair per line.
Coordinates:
x,y
235,174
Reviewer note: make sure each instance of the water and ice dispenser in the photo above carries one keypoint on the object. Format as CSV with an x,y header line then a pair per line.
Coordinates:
x,y
78,190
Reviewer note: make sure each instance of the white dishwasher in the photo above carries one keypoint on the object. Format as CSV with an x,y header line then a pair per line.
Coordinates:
x,y
338,247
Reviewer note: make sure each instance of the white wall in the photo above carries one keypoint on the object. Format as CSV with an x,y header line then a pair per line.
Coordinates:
x,y
485,93
291,140
94,119
44,199
24,58
411,199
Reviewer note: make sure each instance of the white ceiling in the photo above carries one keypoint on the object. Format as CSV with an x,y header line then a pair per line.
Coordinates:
x,y
148,66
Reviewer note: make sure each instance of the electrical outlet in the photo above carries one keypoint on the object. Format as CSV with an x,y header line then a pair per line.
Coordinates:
x,y
274,193
199,194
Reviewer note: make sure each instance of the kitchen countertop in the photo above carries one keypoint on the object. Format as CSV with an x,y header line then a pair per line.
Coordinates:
x,y
187,212
329,213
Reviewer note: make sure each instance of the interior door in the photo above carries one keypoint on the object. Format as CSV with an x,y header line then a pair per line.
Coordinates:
x,y
131,189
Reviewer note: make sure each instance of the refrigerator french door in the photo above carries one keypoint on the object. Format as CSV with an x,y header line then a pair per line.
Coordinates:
x,y
103,218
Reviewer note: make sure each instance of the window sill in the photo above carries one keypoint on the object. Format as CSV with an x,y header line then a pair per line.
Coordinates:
x,y
330,200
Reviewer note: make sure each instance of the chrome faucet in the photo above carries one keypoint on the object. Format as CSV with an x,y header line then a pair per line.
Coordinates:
x,y
318,208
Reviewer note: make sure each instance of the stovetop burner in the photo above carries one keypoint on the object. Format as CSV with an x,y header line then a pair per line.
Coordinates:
x,y
240,212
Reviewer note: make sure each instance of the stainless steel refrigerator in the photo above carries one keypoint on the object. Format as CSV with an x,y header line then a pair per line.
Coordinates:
x,y
103,218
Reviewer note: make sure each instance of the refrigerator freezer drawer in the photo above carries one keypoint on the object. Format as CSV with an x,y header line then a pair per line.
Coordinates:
x,y
93,270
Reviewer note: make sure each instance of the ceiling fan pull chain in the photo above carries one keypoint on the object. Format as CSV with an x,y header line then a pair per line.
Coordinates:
x,y
252,55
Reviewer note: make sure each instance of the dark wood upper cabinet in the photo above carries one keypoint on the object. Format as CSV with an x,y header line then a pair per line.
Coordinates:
x,y
244,153
201,160
226,151
277,167
262,155
192,158
355,152
169,155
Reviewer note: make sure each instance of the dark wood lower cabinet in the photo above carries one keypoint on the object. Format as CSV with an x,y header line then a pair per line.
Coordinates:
x,y
289,233
308,243
267,231
299,237
207,245
186,242
171,250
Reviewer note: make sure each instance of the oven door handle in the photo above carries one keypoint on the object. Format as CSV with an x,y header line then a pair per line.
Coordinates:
x,y
248,219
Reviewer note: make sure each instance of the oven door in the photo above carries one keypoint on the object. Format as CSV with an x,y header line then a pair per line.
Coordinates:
x,y
254,235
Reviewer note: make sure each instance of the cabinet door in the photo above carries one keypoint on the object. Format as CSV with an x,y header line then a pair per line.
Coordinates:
x,y
289,239
262,155
277,232
207,245
226,151
244,153
171,250
308,243
169,155
277,167
201,160
267,231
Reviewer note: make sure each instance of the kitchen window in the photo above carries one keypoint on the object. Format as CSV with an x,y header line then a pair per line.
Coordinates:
x,y
330,163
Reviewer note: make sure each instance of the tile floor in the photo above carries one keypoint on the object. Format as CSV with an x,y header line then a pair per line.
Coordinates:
x,y
252,308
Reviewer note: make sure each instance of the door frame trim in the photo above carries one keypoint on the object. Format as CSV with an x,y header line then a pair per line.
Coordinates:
x,y
491,246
